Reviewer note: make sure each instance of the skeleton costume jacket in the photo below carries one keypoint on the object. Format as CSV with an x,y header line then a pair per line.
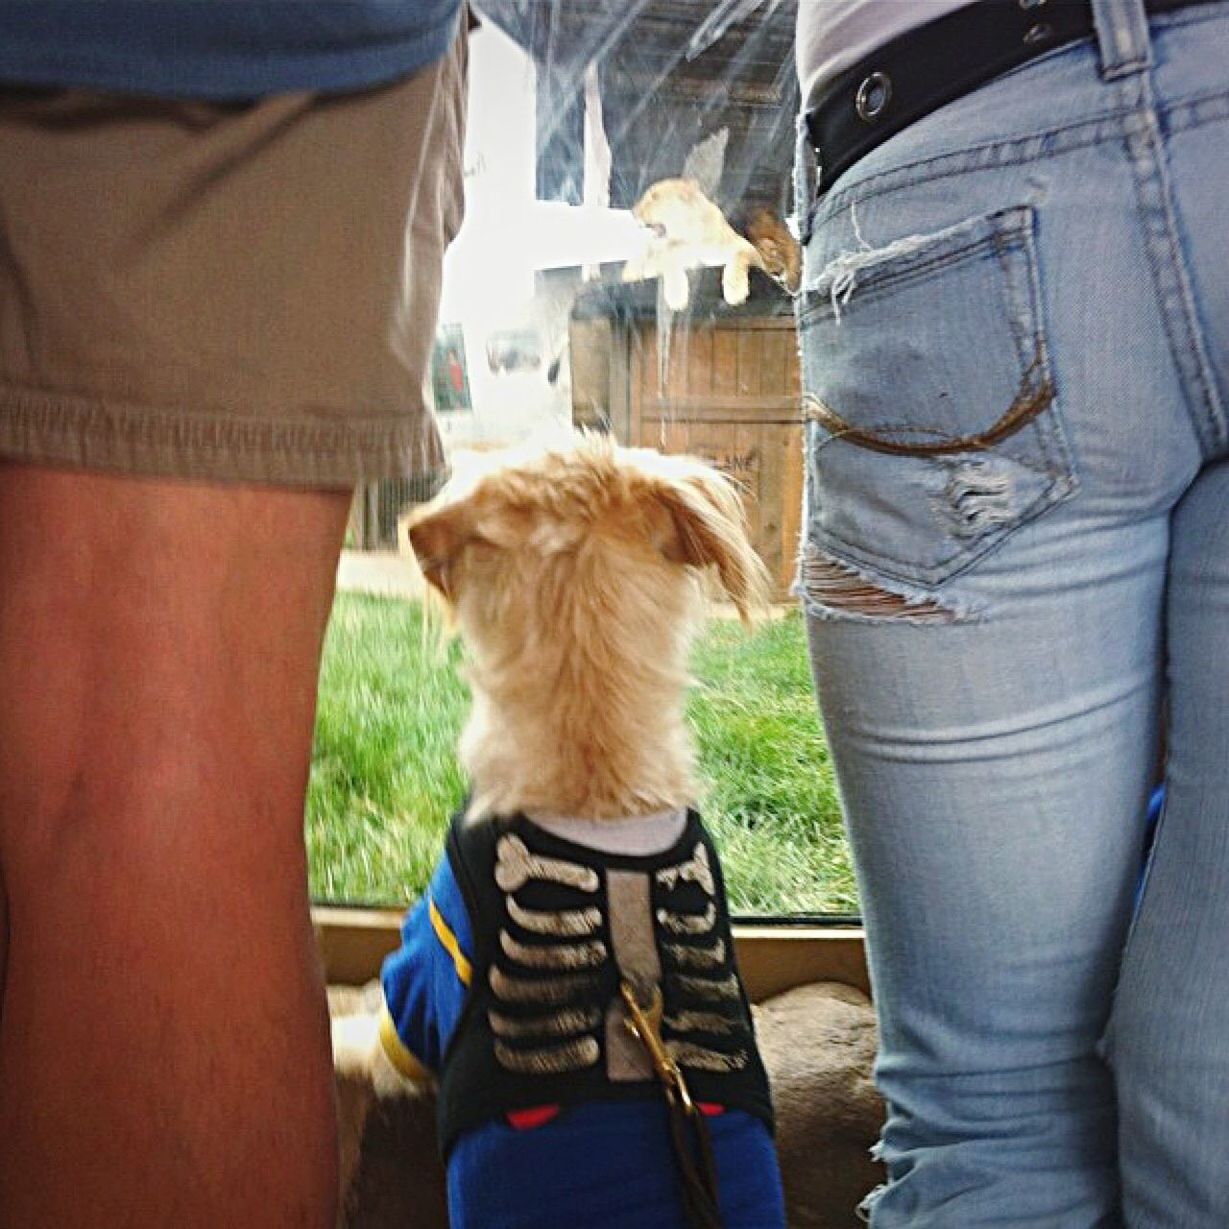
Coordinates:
x,y
508,987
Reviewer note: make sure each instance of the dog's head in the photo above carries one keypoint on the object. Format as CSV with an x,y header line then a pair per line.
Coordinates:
x,y
596,520
573,574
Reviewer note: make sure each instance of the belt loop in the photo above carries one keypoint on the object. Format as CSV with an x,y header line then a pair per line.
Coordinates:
x,y
1122,37
806,179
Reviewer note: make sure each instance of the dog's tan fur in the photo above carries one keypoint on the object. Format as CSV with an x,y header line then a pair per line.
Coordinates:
x,y
573,578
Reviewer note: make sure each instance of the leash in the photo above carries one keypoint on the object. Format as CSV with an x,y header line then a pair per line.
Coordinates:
x,y
693,1149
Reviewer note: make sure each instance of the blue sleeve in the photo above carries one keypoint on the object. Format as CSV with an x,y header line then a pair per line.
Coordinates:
x,y
236,49
426,980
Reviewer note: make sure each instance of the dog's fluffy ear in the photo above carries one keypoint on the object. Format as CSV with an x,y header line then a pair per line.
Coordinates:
x,y
438,534
706,525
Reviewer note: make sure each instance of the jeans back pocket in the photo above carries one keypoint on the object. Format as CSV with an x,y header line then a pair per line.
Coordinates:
x,y
932,423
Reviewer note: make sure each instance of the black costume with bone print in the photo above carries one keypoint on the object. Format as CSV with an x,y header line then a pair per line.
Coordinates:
x,y
557,927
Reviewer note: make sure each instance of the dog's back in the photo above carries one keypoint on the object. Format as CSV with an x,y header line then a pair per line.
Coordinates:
x,y
580,894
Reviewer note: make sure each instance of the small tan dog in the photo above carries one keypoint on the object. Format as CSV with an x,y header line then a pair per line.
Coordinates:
x,y
573,951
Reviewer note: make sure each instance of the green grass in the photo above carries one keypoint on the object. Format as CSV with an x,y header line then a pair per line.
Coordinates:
x,y
385,780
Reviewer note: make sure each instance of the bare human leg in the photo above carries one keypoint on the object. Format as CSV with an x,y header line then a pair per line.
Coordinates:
x,y
163,1038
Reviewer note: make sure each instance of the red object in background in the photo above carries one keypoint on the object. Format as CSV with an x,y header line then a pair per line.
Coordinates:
x,y
537,1116
449,370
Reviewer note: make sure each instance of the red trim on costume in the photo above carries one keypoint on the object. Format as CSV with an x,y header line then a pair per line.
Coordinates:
x,y
530,1119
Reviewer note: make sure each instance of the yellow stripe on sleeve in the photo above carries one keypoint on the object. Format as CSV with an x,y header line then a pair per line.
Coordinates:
x,y
465,971
398,1053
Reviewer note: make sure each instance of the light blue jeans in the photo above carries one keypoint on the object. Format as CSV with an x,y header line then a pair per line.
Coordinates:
x,y
1015,337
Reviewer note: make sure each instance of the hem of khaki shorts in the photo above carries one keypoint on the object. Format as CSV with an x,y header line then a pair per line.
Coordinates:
x,y
67,429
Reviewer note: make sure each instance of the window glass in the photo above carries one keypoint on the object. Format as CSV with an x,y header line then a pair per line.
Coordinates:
x,y
625,266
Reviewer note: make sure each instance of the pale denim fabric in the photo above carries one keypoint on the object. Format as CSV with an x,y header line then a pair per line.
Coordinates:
x,y
1047,1060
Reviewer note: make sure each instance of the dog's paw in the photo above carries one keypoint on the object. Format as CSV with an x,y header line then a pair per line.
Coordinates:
x,y
359,1057
356,1046
390,1082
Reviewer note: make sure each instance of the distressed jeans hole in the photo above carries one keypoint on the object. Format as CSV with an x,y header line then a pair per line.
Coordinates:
x,y
836,587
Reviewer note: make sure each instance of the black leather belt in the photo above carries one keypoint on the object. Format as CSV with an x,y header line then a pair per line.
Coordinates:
x,y
933,64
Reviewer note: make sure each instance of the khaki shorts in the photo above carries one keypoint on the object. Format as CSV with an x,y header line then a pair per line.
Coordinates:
x,y
227,292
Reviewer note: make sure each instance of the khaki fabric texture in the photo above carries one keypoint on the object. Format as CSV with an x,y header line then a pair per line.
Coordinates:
x,y
227,292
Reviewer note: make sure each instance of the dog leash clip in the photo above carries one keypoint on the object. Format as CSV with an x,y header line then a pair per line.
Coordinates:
x,y
692,1147
644,1023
